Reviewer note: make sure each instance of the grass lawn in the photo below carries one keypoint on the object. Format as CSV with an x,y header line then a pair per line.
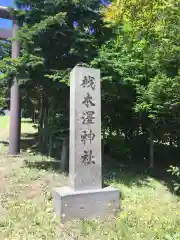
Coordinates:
x,y
4,121
148,209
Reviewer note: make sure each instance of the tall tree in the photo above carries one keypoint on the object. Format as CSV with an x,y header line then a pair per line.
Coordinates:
x,y
145,51
55,36
5,50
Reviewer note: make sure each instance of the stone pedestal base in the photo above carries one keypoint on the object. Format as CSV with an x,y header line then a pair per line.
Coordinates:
x,y
71,205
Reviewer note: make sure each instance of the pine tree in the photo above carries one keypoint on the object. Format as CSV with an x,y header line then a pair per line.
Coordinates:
x,y
55,35
5,51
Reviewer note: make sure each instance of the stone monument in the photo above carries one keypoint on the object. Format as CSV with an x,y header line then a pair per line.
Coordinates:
x,y
85,197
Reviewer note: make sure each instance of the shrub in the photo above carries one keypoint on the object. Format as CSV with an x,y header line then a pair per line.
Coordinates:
x,y
175,172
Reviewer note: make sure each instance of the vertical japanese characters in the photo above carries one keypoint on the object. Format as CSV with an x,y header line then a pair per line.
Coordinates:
x,y
88,118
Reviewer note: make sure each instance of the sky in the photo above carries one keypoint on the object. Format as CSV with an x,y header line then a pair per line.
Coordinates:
x,y
5,23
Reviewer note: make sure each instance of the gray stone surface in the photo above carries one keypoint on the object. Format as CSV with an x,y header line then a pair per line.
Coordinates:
x,y
70,204
85,198
85,129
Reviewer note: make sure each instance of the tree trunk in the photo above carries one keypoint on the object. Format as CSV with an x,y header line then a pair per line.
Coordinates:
x,y
45,132
50,145
41,118
110,132
34,115
41,114
64,155
103,142
151,148
170,142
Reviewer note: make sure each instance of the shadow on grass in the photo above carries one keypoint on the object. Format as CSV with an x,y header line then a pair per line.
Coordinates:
x,y
129,175
5,143
29,142
139,175
44,165
126,175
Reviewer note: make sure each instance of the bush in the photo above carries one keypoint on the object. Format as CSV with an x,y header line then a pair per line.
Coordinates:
x,y
116,148
176,172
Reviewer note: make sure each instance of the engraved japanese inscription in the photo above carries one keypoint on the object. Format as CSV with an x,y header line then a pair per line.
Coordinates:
x,y
88,102
89,82
87,157
85,137
88,118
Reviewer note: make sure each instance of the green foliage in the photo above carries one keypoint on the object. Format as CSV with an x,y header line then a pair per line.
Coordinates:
x,y
143,55
54,37
5,49
176,172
